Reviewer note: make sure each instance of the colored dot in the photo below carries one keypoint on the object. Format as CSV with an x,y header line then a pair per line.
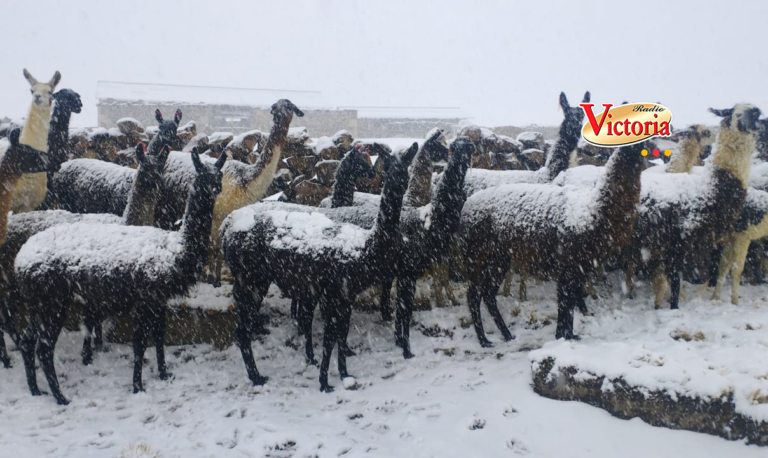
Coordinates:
x,y
667,152
644,152
655,152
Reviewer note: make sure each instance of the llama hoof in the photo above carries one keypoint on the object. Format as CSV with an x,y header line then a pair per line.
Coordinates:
x,y
37,392
6,363
87,360
348,352
62,401
326,388
259,380
509,337
485,343
312,362
407,354
166,376
138,389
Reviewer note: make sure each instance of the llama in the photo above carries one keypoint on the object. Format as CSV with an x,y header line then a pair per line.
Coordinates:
x,y
30,192
19,159
313,259
96,186
426,231
243,184
353,166
695,141
554,231
680,213
752,225
113,269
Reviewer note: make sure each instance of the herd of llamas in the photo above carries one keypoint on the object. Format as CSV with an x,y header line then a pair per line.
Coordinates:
x,y
119,221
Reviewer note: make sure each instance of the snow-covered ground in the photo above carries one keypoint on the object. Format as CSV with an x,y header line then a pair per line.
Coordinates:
x,y
454,399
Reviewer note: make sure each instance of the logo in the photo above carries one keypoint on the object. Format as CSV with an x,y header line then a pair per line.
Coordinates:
x,y
625,124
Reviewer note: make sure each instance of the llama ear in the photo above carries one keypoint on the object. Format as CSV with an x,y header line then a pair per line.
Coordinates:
x,y
55,80
13,137
177,117
159,116
220,162
29,77
381,151
408,156
587,97
163,156
196,161
725,113
140,152
435,136
564,102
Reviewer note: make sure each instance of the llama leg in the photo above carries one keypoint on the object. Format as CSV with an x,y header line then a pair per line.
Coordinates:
x,y
330,338
140,330
523,292
568,290
343,332
437,273
386,292
674,283
243,333
294,308
406,290
27,346
490,301
740,249
629,279
306,312
473,301
98,337
659,282
714,265
45,349
87,352
4,352
158,333
507,288
448,287
724,267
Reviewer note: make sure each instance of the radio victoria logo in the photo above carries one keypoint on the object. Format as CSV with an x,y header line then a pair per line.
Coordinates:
x,y
626,124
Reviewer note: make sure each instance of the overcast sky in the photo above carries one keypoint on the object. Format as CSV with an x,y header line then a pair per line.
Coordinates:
x,y
502,62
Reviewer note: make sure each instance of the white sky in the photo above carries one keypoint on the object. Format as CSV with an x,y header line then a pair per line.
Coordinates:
x,y
502,62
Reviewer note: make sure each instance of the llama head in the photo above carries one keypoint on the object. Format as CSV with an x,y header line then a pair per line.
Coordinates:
x,y
461,150
396,167
283,111
435,144
573,116
208,179
742,117
168,130
357,163
42,93
68,100
152,164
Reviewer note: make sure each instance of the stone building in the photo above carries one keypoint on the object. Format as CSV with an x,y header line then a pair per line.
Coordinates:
x,y
219,109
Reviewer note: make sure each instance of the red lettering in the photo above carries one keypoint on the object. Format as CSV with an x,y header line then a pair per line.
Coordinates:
x,y
664,131
639,126
616,129
587,107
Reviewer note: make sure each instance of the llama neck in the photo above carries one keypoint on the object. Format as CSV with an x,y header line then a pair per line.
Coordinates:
x,y
261,174
343,186
619,196
446,209
196,232
734,153
140,210
420,184
386,231
8,180
559,158
686,158
35,131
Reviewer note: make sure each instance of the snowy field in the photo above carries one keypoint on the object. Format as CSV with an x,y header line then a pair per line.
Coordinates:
x,y
454,399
